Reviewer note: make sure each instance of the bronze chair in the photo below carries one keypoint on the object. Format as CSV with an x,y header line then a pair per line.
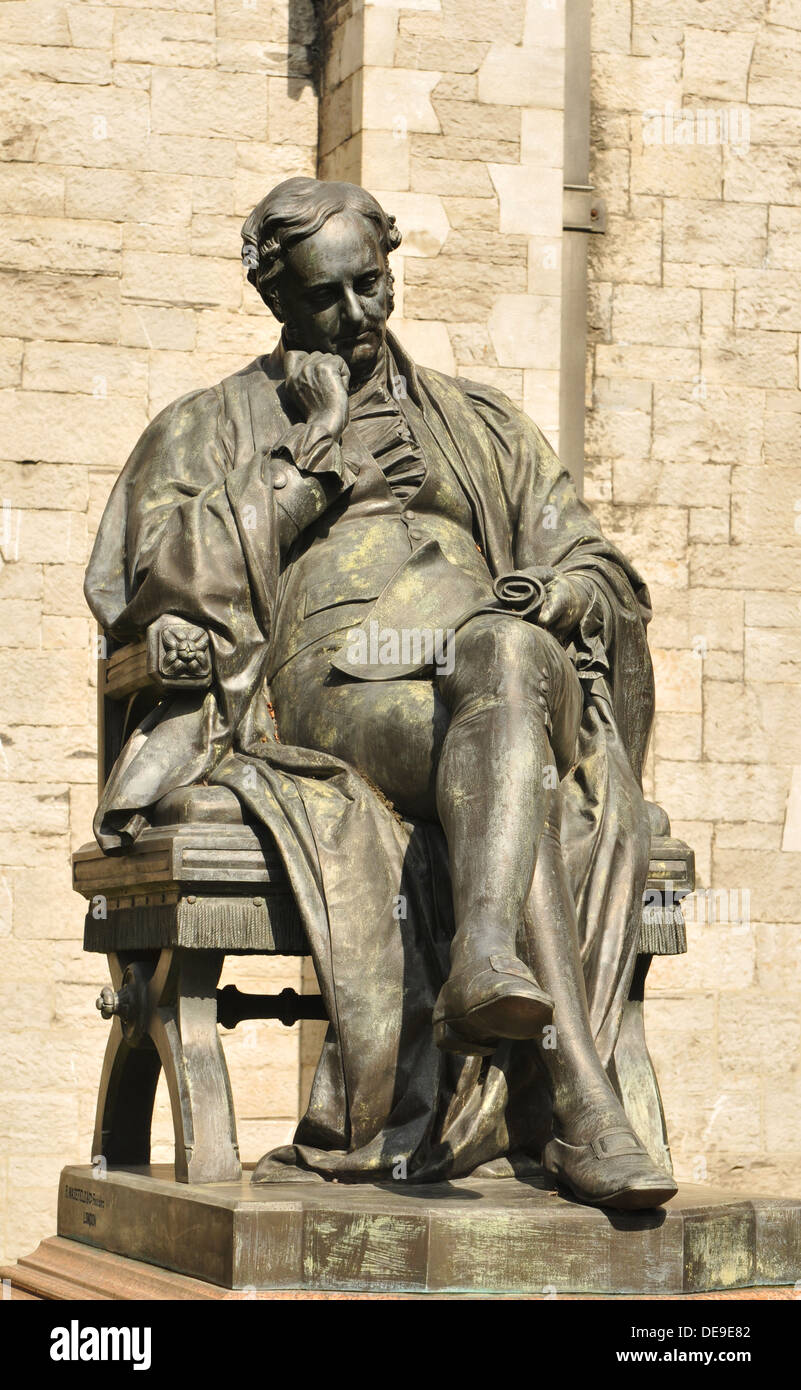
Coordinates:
x,y
199,884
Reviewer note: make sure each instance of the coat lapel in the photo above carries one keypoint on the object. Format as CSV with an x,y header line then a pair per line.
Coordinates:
x,y
458,433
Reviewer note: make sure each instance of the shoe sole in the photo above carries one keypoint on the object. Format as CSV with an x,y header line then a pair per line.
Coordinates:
x,y
448,1040
514,1016
630,1199
479,1031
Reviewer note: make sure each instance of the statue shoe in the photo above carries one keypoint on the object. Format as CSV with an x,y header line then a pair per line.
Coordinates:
x,y
497,998
613,1170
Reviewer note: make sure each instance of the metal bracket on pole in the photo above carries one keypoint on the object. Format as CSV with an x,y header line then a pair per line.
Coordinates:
x,y
582,211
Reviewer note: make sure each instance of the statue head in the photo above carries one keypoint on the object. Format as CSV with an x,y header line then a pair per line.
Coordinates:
x,y
318,253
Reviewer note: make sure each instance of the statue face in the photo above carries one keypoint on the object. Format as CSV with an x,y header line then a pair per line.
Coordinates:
x,y
333,293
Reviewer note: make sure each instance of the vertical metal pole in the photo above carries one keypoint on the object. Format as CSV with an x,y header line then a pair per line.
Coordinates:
x,y
574,241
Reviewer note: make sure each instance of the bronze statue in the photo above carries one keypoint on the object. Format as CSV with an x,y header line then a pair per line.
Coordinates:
x,y
432,686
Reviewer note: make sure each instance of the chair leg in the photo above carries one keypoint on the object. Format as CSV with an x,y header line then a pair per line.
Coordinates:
x,y
128,1082
183,1026
125,1101
634,1072
166,1016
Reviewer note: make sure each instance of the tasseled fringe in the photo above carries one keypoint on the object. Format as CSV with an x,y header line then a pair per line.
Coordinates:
x,y
213,924
663,932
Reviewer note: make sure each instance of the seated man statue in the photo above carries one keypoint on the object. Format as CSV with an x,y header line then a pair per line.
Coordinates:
x,y
432,686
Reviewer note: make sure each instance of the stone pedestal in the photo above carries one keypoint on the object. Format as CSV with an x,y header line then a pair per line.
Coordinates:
x,y
499,1235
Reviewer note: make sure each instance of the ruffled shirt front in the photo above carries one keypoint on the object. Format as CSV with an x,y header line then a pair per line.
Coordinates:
x,y
384,431
381,428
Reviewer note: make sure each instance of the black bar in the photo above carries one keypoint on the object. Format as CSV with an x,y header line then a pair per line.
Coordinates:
x,y
233,1006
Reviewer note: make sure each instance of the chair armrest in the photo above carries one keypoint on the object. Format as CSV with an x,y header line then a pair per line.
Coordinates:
x,y
173,655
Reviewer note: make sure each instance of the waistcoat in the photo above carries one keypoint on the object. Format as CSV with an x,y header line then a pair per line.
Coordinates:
x,y
341,563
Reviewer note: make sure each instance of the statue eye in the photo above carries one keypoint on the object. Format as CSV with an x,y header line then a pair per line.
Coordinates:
x,y
367,283
320,298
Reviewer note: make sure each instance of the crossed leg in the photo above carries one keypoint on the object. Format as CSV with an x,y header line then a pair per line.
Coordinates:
x,y
479,748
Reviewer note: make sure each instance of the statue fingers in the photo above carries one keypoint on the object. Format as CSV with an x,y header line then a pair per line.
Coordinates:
x,y
554,604
343,368
294,360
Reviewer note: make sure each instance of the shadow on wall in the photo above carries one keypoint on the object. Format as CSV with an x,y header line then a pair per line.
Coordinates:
x,y
304,47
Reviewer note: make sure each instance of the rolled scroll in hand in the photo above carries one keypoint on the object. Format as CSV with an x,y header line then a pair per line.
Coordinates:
x,y
521,592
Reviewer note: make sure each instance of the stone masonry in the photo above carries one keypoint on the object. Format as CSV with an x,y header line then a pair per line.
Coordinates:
x,y
694,430
453,115
137,138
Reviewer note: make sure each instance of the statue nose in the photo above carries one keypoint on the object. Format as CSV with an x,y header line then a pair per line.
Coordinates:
x,y
352,307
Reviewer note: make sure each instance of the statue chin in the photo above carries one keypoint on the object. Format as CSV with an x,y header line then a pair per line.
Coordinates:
x,y
363,356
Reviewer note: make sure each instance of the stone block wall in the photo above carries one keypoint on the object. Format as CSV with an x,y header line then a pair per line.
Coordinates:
x,y
694,434
136,137
452,114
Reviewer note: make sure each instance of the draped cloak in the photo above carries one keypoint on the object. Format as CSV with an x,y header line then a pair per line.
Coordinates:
x,y
191,529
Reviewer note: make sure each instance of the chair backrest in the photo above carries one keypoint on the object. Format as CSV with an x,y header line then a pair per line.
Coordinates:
x,y
125,693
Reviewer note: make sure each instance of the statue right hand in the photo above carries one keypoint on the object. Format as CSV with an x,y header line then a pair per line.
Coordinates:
x,y
318,383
